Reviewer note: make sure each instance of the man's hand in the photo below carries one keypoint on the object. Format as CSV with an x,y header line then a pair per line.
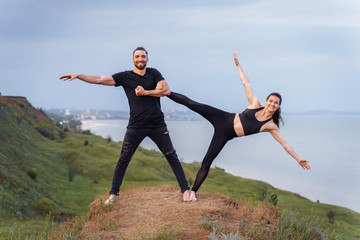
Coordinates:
x,y
304,164
140,91
69,77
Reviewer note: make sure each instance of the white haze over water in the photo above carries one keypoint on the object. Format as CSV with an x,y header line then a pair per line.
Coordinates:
x,y
330,143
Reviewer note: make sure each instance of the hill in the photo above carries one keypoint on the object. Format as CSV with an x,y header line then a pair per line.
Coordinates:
x,y
148,212
48,176
39,176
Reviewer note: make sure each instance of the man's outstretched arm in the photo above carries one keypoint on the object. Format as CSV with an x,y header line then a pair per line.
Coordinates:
x,y
162,89
93,79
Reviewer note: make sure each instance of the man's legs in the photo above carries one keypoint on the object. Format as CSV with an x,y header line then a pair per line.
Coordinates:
x,y
162,139
132,139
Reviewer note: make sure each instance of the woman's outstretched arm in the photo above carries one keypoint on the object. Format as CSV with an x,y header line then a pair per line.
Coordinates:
x,y
276,134
253,100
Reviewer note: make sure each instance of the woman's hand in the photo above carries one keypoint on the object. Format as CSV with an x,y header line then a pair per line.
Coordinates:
x,y
236,59
304,164
159,86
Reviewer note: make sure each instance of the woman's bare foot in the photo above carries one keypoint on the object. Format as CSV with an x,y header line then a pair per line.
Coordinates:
x,y
193,197
186,196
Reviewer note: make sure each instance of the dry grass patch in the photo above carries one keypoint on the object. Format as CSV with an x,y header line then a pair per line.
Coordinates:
x,y
160,213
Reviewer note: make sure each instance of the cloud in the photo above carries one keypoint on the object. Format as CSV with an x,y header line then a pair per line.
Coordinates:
x,y
280,12
190,42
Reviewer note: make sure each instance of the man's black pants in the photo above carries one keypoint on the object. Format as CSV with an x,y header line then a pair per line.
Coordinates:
x,y
133,138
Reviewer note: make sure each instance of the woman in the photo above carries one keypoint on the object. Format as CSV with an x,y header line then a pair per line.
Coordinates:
x,y
254,119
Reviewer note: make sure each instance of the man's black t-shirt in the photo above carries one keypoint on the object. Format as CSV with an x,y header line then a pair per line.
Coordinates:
x,y
145,111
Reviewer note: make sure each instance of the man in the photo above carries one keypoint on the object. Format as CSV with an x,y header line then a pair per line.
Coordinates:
x,y
143,87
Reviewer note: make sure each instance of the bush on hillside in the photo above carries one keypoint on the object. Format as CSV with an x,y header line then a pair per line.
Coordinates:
x,y
331,216
32,174
72,172
87,132
62,134
270,197
2,114
46,133
45,205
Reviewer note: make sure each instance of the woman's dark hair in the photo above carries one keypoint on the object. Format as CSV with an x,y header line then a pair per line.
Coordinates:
x,y
277,115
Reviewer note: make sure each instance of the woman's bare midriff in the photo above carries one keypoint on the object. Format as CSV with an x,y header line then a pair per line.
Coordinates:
x,y
238,126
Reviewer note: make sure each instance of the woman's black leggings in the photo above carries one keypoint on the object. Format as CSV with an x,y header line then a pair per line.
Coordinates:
x,y
223,123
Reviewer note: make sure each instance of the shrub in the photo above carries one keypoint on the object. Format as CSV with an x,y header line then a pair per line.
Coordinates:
x,y
2,114
216,231
32,174
331,216
71,172
271,197
290,226
87,132
21,105
62,134
45,205
214,226
43,131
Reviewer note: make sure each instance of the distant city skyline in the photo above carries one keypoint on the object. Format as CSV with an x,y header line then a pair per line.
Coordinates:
x,y
180,111
308,51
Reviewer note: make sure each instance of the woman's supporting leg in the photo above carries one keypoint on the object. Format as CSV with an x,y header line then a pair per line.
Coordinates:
x,y
224,131
217,143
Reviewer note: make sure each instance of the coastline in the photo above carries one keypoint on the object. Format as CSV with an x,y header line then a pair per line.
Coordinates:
x,y
272,164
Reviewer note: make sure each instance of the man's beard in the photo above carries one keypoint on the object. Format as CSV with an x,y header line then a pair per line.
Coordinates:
x,y
140,67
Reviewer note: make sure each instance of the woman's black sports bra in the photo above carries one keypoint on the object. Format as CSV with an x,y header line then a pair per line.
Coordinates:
x,y
249,122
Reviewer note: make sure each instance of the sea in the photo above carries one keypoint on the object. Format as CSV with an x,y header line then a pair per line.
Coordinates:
x,y
331,144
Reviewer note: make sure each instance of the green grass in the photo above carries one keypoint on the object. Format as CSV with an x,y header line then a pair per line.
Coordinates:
x,y
63,176
168,232
346,222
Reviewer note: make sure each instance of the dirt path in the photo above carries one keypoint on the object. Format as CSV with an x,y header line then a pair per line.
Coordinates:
x,y
144,213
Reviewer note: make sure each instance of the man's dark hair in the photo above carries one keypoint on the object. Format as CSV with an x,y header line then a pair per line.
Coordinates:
x,y
141,49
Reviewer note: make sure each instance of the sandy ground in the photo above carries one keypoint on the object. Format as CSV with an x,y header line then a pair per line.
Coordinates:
x,y
144,213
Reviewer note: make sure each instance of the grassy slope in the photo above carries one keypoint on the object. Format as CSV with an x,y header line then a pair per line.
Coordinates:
x,y
26,200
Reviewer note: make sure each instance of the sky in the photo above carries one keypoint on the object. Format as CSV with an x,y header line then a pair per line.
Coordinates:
x,y
309,51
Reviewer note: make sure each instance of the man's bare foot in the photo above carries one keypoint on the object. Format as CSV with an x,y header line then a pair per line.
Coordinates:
x,y
193,197
111,199
186,196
